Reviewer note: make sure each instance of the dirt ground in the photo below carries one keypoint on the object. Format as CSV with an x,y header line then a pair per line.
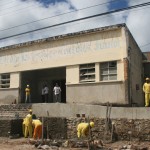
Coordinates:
x,y
23,144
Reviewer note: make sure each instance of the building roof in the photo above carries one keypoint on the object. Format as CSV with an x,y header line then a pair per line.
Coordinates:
x,y
106,28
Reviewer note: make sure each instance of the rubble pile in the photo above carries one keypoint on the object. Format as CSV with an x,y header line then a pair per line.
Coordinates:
x,y
124,129
55,144
54,128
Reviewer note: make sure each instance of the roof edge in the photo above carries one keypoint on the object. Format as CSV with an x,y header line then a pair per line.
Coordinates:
x,y
106,28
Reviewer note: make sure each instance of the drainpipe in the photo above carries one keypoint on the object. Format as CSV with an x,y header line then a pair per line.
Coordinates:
x,y
129,76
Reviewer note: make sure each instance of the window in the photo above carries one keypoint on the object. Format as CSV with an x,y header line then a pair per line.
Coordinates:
x,y
4,80
108,71
87,73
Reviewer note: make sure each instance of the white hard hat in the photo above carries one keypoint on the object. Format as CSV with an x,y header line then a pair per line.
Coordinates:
x,y
27,85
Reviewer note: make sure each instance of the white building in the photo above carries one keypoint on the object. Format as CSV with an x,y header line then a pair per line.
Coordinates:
x,y
92,67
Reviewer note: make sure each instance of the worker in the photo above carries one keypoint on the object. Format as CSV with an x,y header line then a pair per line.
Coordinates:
x,y
27,125
146,90
83,129
23,126
37,124
27,92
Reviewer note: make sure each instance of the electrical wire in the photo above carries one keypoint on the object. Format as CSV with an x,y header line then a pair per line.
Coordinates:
x,y
105,13
20,9
12,12
45,35
9,2
145,45
55,16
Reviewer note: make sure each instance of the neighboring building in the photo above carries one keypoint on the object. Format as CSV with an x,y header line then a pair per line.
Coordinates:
x,y
91,67
146,64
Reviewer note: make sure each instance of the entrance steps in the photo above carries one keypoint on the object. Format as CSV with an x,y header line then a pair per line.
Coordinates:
x,y
14,111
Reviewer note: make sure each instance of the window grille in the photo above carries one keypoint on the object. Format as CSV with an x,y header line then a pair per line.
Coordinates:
x,y
4,80
108,71
87,72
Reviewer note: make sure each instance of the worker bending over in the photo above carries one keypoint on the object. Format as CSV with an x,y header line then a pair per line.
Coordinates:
x,y
27,125
83,129
37,125
146,90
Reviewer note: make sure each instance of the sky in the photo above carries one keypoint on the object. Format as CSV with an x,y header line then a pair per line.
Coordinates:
x,y
18,16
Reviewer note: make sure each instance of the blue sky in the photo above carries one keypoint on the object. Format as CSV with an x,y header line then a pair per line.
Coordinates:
x,y
17,16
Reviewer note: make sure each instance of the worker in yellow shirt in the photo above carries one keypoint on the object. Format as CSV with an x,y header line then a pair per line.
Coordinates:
x,y
27,125
83,129
27,92
37,124
146,90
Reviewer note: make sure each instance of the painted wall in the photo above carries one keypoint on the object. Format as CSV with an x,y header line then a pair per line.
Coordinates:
x,y
69,51
7,96
135,72
96,93
104,46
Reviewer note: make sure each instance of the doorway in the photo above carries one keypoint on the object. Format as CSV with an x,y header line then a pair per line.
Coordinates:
x,y
37,78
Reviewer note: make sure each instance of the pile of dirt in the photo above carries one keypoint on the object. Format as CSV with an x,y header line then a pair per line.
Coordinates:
x,y
26,144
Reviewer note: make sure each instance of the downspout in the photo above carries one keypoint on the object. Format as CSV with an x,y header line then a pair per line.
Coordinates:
x,y
129,77
127,70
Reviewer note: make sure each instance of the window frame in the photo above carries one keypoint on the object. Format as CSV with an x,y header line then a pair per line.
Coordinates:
x,y
5,80
108,66
87,73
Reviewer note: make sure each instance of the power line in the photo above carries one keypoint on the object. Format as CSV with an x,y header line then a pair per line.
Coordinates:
x,y
106,13
9,2
45,36
145,45
20,9
35,7
57,15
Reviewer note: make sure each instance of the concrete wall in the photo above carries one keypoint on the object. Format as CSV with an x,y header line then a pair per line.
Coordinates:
x,y
96,93
7,96
135,71
70,110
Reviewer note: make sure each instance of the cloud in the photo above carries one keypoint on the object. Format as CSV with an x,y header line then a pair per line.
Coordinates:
x,y
28,11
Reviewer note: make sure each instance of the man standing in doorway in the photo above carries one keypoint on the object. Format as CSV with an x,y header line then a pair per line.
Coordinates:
x,y
57,91
46,90
42,94
27,91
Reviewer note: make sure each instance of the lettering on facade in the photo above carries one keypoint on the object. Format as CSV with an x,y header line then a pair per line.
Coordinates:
x,y
55,52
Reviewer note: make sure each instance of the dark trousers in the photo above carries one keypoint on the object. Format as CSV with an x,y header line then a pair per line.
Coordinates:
x,y
57,98
43,98
46,98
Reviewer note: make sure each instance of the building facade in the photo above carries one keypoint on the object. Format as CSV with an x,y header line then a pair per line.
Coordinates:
x,y
92,67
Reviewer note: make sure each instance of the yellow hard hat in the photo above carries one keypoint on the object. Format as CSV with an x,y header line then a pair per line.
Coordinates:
x,y
30,110
92,124
147,79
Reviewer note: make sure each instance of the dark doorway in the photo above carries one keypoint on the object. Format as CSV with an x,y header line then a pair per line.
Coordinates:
x,y
37,78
